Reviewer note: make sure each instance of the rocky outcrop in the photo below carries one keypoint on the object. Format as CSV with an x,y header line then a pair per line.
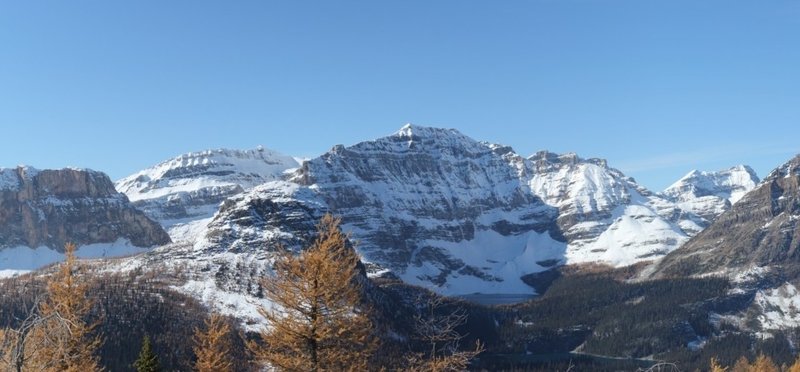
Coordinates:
x,y
52,207
258,221
709,194
760,230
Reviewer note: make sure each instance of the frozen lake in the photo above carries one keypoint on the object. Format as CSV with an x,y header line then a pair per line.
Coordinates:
x,y
497,299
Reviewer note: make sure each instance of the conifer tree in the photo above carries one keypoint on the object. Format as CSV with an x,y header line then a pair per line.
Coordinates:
x,y
318,321
212,346
147,361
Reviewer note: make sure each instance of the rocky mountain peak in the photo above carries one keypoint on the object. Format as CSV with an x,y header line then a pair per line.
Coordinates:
x,y
414,195
709,194
731,183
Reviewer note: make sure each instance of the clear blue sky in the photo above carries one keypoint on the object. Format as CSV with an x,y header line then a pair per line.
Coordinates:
x,y
656,87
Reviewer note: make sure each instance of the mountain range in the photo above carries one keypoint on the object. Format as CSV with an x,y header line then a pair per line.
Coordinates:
x,y
430,206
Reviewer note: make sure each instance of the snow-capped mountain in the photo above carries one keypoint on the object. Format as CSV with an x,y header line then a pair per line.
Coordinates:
x,y
41,210
708,194
184,192
606,216
438,209
432,206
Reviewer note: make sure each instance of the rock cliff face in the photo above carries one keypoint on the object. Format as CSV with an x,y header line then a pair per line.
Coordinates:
x,y
760,230
709,194
52,207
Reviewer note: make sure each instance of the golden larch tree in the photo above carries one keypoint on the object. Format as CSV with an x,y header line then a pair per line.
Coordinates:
x,y
715,366
741,365
212,346
55,336
795,367
73,342
318,320
764,363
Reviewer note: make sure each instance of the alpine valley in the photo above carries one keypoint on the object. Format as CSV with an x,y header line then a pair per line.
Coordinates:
x,y
592,267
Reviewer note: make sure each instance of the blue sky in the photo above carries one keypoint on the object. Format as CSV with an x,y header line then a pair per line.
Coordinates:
x,y
656,87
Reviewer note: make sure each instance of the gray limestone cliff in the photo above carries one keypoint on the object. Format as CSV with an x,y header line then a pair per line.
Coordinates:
x,y
52,207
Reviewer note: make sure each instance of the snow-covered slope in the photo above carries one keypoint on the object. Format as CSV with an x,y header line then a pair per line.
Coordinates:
x,y
708,194
183,193
604,215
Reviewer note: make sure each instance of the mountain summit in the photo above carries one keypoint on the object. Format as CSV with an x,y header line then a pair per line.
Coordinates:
x,y
708,194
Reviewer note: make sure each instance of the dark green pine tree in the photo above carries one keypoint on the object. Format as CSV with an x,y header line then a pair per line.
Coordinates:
x,y
148,361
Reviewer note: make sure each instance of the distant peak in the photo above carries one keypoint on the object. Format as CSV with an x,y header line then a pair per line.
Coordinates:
x,y
730,183
743,168
694,173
